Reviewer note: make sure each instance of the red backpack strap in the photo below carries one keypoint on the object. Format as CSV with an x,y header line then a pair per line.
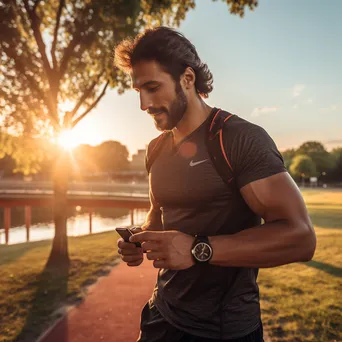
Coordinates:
x,y
154,149
215,144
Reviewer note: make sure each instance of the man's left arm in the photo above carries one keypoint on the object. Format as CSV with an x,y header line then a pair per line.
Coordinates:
x,y
286,236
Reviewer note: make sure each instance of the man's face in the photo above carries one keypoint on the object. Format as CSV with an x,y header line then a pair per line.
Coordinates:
x,y
160,95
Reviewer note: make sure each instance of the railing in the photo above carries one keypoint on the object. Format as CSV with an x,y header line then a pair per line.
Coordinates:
x,y
89,199
72,192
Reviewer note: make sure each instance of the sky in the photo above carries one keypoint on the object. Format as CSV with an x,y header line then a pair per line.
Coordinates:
x,y
279,67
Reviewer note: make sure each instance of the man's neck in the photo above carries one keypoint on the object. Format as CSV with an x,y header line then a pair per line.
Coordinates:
x,y
196,113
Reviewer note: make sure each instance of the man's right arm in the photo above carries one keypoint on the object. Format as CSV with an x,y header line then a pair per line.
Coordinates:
x,y
153,218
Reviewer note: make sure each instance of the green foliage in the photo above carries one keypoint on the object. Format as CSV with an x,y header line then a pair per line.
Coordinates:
x,y
25,152
303,166
111,156
336,154
106,157
327,164
316,151
53,52
336,172
288,155
238,6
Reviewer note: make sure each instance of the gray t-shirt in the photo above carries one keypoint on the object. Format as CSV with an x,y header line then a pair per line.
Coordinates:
x,y
208,300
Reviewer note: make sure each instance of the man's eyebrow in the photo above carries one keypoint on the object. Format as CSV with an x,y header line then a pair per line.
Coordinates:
x,y
146,84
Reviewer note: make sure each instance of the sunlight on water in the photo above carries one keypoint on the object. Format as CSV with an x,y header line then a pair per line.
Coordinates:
x,y
77,225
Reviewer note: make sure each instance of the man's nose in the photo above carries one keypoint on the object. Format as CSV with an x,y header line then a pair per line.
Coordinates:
x,y
145,102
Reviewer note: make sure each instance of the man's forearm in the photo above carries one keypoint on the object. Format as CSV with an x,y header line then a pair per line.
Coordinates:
x,y
153,220
272,244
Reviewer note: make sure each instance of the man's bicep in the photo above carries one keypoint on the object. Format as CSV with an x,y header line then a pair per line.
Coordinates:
x,y
276,198
153,220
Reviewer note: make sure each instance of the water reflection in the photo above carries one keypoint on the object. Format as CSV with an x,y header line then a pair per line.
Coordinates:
x,y
103,219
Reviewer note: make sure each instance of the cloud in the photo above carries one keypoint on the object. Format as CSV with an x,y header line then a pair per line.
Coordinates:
x,y
334,142
332,107
295,106
309,101
262,110
297,89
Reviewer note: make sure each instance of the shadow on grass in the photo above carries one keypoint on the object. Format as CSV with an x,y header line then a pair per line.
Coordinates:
x,y
326,218
51,290
332,270
9,253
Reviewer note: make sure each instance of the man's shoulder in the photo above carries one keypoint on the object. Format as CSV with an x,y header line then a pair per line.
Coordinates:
x,y
154,142
237,127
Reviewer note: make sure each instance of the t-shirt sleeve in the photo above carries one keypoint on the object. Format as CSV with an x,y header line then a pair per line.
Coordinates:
x,y
254,155
150,147
154,205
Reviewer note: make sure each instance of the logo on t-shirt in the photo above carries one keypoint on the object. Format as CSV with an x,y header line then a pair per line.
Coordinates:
x,y
192,163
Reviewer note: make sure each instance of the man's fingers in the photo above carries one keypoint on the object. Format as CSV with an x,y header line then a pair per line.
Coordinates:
x,y
136,263
126,245
131,258
155,256
160,264
136,251
151,246
146,236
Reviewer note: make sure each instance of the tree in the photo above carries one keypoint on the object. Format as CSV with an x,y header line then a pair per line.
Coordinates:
x,y
111,156
302,167
316,151
7,166
288,155
336,172
59,51
85,159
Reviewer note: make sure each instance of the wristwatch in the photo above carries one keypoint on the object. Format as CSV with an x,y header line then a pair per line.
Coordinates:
x,y
201,249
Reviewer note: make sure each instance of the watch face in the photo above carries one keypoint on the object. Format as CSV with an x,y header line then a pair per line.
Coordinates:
x,y
202,251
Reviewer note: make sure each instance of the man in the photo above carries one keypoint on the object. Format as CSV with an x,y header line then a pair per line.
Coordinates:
x,y
206,288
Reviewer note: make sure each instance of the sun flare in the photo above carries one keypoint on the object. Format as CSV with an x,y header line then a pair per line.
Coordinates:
x,y
67,140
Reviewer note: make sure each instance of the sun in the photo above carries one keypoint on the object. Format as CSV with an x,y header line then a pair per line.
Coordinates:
x,y
67,140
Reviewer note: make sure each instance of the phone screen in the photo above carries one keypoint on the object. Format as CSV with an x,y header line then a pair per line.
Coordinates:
x,y
125,233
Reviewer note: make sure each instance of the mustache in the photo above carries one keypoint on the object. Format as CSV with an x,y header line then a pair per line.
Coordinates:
x,y
153,111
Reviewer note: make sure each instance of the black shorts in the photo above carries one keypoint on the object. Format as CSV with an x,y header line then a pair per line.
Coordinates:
x,y
154,328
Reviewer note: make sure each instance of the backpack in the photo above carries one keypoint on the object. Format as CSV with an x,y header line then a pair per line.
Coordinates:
x,y
214,142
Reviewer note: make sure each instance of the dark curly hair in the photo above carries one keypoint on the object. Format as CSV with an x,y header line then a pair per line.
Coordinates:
x,y
171,50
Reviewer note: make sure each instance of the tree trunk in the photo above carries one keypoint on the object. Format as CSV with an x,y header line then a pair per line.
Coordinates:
x,y
59,253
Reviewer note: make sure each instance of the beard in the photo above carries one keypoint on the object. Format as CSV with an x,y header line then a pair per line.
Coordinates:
x,y
176,112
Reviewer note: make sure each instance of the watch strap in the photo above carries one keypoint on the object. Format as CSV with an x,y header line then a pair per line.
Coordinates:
x,y
200,238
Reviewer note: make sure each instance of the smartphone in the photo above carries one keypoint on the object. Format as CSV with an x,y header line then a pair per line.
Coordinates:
x,y
125,233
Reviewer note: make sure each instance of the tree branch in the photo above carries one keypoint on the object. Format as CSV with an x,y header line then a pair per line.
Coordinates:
x,y
35,5
55,34
85,95
76,39
76,121
32,82
68,52
38,37
83,98
34,20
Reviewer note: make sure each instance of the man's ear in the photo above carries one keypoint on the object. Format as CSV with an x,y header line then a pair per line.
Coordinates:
x,y
188,78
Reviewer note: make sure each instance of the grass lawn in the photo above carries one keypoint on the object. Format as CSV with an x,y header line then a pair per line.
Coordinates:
x,y
29,294
299,302
303,301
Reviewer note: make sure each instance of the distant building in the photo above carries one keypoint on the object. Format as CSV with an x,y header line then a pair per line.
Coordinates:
x,y
138,161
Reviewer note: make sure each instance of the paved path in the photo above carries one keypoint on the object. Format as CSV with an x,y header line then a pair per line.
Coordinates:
x,y
111,311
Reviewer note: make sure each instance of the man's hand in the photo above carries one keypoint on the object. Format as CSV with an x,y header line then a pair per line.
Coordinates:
x,y
130,253
169,249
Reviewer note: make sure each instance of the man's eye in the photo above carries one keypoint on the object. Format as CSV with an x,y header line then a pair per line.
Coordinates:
x,y
153,89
